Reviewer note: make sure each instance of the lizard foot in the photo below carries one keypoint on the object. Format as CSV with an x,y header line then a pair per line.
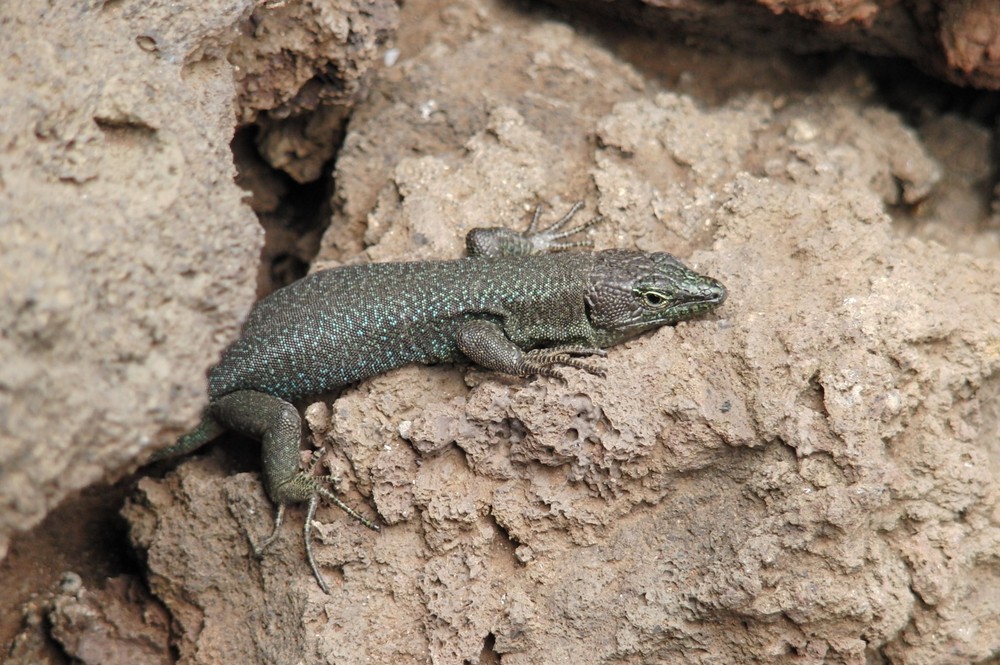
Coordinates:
x,y
258,550
543,361
498,241
551,238
322,492
313,486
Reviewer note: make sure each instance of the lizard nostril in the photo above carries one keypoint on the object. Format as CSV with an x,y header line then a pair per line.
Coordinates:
x,y
718,292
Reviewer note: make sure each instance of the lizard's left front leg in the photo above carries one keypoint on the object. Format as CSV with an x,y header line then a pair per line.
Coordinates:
x,y
485,343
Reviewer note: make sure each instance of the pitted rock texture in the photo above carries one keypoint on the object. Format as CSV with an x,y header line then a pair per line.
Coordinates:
x,y
128,256
807,473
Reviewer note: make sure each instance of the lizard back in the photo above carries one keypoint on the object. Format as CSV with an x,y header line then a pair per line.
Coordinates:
x,y
342,325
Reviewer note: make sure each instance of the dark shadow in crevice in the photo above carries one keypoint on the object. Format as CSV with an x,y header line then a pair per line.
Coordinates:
x,y
918,96
294,215
85,534
489,655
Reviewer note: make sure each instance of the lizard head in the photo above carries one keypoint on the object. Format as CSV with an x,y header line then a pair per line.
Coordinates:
x,y
632,292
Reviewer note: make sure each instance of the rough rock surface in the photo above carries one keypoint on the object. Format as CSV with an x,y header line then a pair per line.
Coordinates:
x,y
117,624
956,40
300,67
127,254
126,246
809,475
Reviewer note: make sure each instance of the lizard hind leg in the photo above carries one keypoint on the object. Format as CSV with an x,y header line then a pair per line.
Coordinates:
x,y
276,423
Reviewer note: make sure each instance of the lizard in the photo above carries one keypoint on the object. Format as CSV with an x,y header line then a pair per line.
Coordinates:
x,y
516,304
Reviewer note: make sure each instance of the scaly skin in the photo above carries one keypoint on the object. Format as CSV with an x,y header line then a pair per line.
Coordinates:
x,y
508,307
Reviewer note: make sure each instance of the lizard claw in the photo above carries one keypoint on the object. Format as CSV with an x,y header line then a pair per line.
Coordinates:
x,y
313,484
322,492
543,361
551,238
258,550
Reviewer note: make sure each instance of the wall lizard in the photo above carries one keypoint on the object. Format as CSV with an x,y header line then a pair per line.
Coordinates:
x,y
509,306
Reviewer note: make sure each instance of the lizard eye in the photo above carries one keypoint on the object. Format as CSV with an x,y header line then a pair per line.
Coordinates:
x,y
654,299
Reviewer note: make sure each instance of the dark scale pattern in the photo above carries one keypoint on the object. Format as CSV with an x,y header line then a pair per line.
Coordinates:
x,y
343,325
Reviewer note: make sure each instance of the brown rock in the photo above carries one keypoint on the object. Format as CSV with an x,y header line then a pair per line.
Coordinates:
x,y
808,474
126,265
958,41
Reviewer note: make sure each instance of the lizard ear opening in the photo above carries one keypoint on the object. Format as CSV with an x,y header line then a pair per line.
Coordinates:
x,y
611,306
592,308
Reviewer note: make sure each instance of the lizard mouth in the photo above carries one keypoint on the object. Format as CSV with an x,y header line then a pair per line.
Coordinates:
x,y
711,295
708,295
696,299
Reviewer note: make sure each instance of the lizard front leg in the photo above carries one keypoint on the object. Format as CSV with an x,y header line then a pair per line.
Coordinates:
x,y
485,344
276,423
499,241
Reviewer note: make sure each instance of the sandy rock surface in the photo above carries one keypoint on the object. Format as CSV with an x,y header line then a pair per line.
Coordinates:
x,y
809,471
126,249
808,474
